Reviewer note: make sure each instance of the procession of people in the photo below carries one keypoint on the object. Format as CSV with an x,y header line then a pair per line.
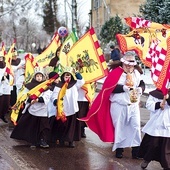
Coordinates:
x,y
60,112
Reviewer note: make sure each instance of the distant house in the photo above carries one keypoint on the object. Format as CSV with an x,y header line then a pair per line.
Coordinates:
x,y
101,10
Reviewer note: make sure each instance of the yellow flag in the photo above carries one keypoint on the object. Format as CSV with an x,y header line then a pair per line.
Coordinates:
x,y
143,33
8,59
33,93
30,64
87,57
44,58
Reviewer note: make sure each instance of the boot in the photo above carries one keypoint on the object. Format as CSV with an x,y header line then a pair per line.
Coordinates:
x,y
135,151
71,145
83,135
4,120
144,164
61,142
119,152
43,144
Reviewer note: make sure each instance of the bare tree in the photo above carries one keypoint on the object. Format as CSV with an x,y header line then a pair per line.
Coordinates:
x,y
24,28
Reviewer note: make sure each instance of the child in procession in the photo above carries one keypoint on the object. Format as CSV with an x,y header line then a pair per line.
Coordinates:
x,y
33,126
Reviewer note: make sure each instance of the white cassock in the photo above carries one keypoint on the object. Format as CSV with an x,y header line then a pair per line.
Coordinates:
x,y
126,116
159,122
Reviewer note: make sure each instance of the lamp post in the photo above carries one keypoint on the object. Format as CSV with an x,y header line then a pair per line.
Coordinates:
x,y
90,18
74,8
65,9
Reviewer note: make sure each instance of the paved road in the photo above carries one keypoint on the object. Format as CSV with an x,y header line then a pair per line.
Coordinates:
x,y
89,154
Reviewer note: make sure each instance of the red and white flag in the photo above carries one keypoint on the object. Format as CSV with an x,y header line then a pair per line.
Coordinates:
x,y
160,59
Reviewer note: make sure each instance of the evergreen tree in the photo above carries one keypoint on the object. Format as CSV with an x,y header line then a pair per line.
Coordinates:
x,y
50,21
109,30
48,18
156,11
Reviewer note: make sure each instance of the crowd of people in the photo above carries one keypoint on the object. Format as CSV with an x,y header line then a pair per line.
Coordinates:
x,y
115,114
62,112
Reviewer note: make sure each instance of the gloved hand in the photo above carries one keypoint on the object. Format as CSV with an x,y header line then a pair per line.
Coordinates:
x,y
126,88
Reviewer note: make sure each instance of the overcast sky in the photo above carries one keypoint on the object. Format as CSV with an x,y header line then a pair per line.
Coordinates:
x,y
83,8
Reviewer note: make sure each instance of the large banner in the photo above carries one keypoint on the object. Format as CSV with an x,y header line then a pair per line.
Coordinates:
x,y
33,94
87,57
65,48
44,58
151,42
142,34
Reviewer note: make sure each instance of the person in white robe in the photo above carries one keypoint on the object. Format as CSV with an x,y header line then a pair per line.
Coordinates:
x,y
124,108
155,144
67,131
18,67
5,89
33,126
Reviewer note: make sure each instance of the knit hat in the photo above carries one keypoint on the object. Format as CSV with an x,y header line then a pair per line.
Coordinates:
x,y
52,74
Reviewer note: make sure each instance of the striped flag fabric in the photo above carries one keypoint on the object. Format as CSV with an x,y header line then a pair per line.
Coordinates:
x,y
8,59
30,64
3,49
33,93
151,42
136,22
160,68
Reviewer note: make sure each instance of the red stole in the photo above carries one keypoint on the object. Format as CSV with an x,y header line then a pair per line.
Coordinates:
x,y
98,118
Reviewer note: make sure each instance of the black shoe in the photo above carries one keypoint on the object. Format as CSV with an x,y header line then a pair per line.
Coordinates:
x,y
83,135
43,144
135,151
33,147
119,152
61,143
71,145
4,120
144,164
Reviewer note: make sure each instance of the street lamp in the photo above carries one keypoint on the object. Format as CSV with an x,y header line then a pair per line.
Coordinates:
x,y
73,14
90,18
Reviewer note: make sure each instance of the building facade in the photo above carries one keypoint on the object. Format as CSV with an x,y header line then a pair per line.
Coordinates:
x,y
102,10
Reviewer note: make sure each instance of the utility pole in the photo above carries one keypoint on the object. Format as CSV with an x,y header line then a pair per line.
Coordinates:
x,y
107,9
74,8
65,9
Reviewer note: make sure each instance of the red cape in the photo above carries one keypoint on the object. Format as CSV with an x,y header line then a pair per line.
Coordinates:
x,y
98,118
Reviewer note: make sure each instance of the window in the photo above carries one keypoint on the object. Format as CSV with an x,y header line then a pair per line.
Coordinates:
x,y
96,4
